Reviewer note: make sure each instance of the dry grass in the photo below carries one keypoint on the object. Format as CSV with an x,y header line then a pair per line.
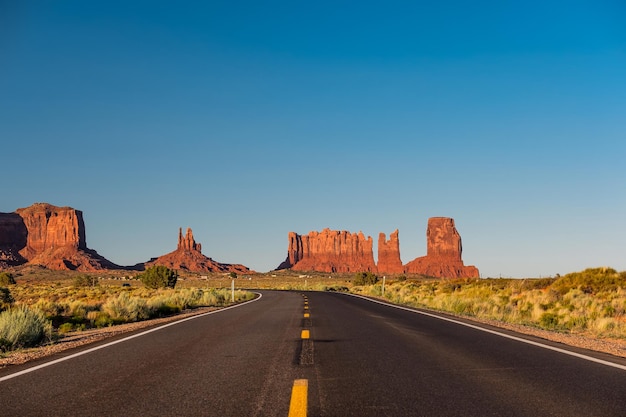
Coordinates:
x,y
591,302
69,305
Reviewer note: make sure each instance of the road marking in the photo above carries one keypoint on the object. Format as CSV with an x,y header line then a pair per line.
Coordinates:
x,y
306,307
307,315
306,334
497,333
298,403
84,352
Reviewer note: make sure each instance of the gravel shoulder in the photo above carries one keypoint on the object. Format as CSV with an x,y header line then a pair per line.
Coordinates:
x,y
616,347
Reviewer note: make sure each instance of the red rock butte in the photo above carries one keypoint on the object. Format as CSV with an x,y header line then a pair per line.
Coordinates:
x,y
334,251
330,251
50,236
188,256
54,237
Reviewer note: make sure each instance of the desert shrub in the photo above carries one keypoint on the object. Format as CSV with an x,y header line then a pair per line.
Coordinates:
x,y
6,278
6,299
335,288
401,278
99,319
21,327
535,284
50,308
591,281
84,281
124,308
66,327
159,276
549,321
364,278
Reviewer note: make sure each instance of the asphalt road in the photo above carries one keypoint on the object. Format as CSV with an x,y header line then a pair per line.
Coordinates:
x,y
362,359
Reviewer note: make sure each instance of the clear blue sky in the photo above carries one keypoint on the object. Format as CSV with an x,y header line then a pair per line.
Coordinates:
x,y
247,120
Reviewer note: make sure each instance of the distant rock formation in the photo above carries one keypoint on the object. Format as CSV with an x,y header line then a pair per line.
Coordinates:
x,y
334,251
187,242
329,251
188,256
443,253
13,237
389,261
50,236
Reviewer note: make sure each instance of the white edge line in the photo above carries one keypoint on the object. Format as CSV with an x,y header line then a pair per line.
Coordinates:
x,y
508,336
84,352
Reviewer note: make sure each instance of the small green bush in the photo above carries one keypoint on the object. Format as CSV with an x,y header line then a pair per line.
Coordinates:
x,y
6,299
22,327
66,327
6,278
364,278
159,276
549,321
84,281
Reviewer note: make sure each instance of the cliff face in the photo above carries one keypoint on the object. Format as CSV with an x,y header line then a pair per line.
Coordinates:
x,y
52,227
47,235
188,256
389,254
330,251
443,253
334,251
13,238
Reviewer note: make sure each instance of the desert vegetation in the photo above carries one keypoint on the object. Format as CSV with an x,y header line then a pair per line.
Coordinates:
x,y
36,312
591,302
159,276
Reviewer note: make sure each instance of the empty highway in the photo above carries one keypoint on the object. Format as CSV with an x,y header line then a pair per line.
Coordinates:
x,y
361,359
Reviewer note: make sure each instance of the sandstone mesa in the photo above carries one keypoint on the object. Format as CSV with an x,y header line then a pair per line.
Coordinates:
x,y
341,251
50,236
54,237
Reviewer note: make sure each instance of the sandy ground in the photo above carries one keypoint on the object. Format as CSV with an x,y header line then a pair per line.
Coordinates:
x,y
615,347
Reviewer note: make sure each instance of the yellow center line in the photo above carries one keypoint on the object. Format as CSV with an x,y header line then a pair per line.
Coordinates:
x,y
307,315
305,334
298,404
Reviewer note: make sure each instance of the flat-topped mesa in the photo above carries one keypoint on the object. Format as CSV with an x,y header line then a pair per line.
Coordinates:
x,y
187,242
188,257
330,251
389,254
52,227
50,236
443,254
334,251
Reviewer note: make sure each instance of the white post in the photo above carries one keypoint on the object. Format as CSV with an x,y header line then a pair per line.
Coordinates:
x,y
383,293
232,288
